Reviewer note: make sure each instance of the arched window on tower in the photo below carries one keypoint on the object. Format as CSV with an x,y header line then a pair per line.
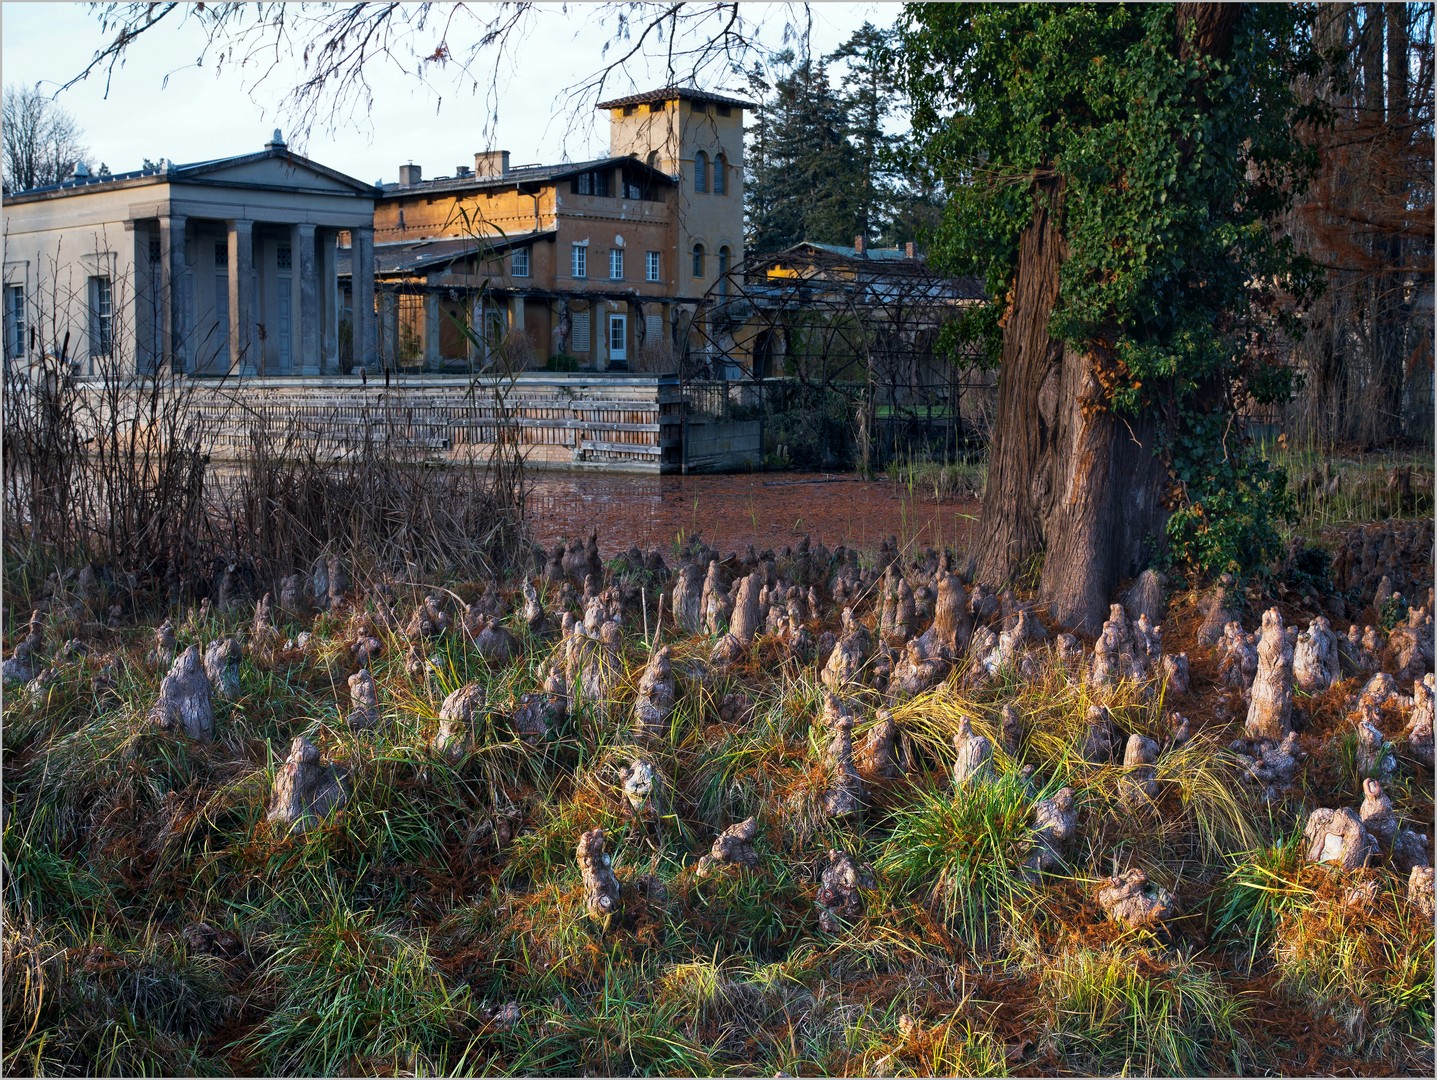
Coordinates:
x,y
652,161
701,170
720,175
723,268
698,260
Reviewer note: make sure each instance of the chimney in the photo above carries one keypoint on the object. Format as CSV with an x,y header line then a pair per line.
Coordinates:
x,y
909,252
462,172
410,174
491,163
860,245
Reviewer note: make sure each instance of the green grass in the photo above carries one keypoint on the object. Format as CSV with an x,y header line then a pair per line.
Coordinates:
x,y
941,481
384,939
1366,966
1258,892
1122,1010
352,996
1362,493
961,854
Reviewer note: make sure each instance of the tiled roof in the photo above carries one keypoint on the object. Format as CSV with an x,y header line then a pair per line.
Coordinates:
x,y
525,174
893,264
433,253
839,249
670,93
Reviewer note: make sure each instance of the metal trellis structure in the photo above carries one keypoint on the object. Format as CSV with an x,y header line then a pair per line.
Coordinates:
x,y
839,353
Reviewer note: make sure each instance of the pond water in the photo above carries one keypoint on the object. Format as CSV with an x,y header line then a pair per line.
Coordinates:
x,y
767,510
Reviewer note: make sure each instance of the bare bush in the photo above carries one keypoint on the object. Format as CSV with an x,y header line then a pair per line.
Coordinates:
x,y
107,463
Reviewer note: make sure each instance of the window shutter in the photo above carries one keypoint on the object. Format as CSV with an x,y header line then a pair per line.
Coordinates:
x,y
579,339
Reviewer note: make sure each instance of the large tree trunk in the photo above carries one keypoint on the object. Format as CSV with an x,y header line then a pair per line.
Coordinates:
x,y
1010,530
1066,478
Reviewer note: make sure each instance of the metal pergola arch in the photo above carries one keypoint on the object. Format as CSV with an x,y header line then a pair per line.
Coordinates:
x,y
817,323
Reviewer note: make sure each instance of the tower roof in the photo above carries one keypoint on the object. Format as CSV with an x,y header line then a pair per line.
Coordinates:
x,y
675,93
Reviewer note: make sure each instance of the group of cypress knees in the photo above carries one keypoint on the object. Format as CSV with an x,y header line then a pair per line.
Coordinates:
x,y
929,622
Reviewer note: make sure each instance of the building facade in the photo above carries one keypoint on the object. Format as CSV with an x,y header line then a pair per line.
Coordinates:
x,y
598,265
223,267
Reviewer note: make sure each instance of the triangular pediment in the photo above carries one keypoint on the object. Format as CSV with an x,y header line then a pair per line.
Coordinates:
x,y
272,170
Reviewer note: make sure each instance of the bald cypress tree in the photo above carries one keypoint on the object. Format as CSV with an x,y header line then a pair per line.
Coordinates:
x,y
1114,172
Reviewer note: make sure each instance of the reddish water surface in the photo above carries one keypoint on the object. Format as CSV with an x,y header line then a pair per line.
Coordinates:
x,y
767,510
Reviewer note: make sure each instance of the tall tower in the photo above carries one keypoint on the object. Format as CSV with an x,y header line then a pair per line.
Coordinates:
x,y
696,137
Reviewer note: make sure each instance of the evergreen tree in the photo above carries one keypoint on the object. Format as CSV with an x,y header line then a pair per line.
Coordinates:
x,y
868,98
823,164
915,202
803,173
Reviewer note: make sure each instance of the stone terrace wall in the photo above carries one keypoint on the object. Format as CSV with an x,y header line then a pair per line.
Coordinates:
x,y
626,423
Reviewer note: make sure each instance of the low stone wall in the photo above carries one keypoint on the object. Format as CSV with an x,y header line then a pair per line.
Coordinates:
x,y
722,445
620,422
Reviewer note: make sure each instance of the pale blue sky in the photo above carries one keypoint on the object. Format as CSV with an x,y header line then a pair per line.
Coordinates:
x,y
161,104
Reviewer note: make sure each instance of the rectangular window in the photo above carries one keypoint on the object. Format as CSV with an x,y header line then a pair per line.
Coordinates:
x,y
102,313
618,336
579,338
651,266
581,261
616,264
725,110
284,257
591,183
14,320
519,262
653,330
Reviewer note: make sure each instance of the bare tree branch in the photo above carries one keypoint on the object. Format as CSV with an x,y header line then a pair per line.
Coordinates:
x,y
42,142
337,46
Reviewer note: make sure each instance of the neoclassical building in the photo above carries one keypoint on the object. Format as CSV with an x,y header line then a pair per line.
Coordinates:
x,y
223,267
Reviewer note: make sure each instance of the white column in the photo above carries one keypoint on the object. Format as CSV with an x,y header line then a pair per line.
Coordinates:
x,y
431,332
146,352
516,322
175,304
476,325
388,353
362,275
330,303
304,308
243,347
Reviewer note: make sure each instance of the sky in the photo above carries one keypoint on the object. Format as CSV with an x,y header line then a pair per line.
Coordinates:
x,y
163,102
